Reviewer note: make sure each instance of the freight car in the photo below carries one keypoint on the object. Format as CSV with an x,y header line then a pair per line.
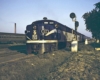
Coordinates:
x,y
9,38
48,35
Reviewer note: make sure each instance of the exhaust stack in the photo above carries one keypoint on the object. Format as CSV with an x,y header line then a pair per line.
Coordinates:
x,y
15,28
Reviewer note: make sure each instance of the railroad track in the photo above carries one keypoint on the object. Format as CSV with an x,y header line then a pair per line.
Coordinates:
x,y
12,53
6,52
13,58
9,45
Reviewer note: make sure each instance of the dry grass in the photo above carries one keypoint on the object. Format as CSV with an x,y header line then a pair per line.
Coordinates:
x,y
57,65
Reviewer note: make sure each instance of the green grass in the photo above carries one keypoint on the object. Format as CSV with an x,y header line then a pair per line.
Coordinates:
x,y
95,45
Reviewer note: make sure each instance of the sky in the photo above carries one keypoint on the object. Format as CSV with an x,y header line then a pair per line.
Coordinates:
x,y
24,12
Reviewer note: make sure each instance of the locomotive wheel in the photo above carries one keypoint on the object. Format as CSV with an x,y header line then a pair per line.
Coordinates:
x,y
54,47
40,52
29,50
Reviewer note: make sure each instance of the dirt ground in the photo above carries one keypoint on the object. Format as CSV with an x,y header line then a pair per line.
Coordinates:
x,y
57,65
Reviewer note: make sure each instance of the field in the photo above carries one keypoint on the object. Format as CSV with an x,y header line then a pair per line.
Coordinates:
x,y
58,65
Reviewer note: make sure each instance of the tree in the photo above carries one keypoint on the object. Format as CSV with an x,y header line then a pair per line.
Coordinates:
x,y
97,6
92,21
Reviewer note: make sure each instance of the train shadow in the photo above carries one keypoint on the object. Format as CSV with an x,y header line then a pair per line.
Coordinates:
x,y
19,48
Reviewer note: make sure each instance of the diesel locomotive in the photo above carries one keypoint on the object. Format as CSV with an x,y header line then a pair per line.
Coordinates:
x,y
48,35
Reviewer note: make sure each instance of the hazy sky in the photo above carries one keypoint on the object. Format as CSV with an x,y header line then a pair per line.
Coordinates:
x,y
24,12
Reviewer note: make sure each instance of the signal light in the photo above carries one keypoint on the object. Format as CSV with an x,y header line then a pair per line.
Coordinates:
x,y
72,15
76,23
